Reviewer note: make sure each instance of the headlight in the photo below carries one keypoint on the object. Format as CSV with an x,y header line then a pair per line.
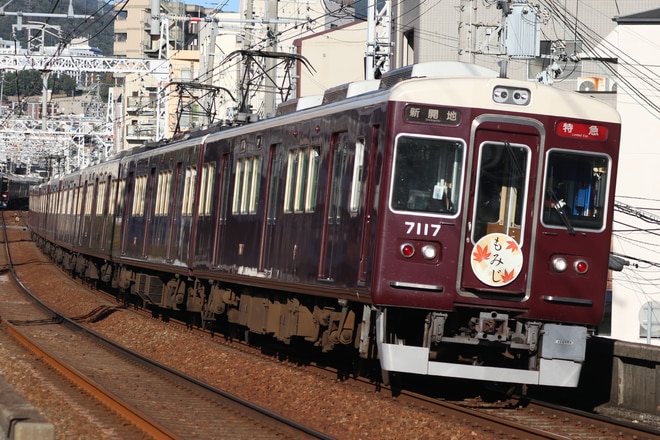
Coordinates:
x,y
429,252
559,264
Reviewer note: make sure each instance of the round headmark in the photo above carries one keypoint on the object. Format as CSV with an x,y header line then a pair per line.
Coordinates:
x,y
496,259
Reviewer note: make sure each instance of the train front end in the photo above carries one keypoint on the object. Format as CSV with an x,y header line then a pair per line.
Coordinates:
x,y
4,191
493,252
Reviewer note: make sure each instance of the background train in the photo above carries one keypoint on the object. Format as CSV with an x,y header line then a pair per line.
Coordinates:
x,y
15,190
443,220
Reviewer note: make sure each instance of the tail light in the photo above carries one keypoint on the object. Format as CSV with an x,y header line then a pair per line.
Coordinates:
x,y
407,250
581,267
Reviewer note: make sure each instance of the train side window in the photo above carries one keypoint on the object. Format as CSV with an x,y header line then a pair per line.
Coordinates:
x,y
290,183
189,191
312,180
301,180
575,183
89,196
358,166
160,198
427,175
139,195
72,201
113,197
208,180
100,198
246,185
121,196
252,182
163,189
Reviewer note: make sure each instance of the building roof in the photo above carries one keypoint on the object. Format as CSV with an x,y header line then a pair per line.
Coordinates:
x,y
652,16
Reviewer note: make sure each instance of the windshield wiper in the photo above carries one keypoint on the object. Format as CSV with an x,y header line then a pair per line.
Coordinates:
x,y
558,205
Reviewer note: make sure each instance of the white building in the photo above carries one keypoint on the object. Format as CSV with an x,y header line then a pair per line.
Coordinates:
x,y
636,237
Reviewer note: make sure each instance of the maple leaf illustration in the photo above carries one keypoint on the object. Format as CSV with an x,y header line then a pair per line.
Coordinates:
x,y
511,244
508,276
481,254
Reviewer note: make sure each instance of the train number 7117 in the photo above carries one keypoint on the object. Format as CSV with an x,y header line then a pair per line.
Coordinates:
x,y
422,229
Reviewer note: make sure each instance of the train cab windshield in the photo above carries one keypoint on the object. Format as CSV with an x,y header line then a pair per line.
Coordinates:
x,y
427,175
575,190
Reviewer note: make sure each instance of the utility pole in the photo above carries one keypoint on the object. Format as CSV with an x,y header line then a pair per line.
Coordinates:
x,y
271,80
379,39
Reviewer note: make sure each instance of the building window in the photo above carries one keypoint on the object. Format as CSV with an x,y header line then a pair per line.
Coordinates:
x,y
122,15
121,37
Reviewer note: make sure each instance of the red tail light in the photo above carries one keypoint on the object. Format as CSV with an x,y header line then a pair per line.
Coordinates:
x,y
407,250
581,267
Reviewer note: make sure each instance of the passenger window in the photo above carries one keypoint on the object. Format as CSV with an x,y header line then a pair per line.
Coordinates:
x,y
427,175
575,188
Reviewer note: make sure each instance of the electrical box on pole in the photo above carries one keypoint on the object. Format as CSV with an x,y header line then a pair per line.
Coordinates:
x,y
523,30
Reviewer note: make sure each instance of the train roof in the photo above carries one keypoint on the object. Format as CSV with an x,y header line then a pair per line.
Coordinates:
x,y
545,99
22,178
396,86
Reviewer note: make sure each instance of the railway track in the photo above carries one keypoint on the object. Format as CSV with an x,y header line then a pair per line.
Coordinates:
x,y
502,420
159,401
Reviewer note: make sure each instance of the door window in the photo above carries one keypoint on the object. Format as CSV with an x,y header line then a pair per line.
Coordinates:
x,y
500,190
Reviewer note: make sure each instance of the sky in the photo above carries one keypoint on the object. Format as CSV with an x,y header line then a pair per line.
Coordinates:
x,y
231,5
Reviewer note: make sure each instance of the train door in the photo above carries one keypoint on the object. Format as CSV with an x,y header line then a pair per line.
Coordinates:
x,y
128,202
148,209
91,212
81,215
222,207
273,179
331,240
104,209
174,216
499,221
370,155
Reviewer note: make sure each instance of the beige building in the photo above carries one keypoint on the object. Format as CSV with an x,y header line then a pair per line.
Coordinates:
x,y
138,35
148,108
336,57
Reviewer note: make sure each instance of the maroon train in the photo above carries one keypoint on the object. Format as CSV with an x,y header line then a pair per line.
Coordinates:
x,y
442,219
15,190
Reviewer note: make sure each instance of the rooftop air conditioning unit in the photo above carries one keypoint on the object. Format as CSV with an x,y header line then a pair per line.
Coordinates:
x,y
592,84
